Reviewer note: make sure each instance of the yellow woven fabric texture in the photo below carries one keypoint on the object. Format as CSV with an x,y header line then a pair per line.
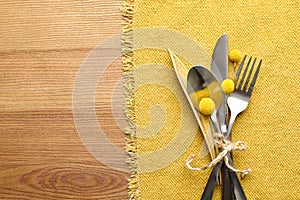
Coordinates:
x,y
166,131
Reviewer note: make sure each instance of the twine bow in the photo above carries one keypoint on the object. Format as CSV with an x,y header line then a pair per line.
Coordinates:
x,y
226,147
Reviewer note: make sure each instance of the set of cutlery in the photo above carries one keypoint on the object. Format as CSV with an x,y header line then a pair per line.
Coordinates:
x,y
200,82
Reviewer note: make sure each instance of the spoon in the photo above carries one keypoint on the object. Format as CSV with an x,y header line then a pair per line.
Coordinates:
x,y
202,83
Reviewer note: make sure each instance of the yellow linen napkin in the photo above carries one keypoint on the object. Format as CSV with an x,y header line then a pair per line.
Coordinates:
x,y
163,130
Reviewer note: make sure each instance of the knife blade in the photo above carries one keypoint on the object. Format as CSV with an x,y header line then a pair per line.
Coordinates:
x,y
219,66
203,121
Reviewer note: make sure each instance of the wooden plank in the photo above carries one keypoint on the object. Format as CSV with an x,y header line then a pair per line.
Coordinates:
x,y
43,44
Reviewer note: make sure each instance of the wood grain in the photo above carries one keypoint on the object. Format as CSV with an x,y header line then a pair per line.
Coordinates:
x,y
43,44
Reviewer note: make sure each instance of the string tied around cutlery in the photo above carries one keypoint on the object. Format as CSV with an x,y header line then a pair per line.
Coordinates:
x,y
226,146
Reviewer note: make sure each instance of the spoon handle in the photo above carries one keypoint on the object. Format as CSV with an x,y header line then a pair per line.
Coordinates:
x,y
230,125
214,120
212,182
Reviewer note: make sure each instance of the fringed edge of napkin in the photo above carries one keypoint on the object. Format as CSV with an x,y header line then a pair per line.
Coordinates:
x,y
129,87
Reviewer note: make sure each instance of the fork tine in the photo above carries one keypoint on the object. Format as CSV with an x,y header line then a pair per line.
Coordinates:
x,y
249,75
244,74
255,77
239,70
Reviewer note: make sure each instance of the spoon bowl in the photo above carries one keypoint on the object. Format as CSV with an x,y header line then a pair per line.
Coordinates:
x,y
202,83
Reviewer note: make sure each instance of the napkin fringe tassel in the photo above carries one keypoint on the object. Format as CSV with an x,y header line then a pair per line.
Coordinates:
x,y
129,87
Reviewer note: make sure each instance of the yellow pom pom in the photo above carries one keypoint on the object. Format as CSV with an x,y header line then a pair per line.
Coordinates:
x,y
235,55
206,106
227,86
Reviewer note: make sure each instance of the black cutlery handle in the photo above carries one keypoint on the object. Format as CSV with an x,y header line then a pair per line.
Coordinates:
x,y
237,187
211,183
227,187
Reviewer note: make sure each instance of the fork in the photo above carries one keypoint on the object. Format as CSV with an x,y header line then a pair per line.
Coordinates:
x,y
238,100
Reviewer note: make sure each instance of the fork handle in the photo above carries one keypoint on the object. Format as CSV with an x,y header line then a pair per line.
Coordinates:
x,y
230,125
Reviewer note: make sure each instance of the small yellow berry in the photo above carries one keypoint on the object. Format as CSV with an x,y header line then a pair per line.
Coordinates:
x,y
235,55
206,106
227,86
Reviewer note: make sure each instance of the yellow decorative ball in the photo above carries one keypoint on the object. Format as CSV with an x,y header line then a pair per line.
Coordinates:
x,y
206,106
235,55
227,86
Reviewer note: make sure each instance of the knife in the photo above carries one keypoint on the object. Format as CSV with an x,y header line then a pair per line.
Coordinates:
x,y
203,121
219,66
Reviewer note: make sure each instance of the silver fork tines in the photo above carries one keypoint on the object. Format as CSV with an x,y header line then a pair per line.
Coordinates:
x,y
238,100
249,75
255,76
241,83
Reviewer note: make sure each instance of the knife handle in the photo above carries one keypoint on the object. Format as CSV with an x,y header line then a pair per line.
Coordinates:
x,y
227,187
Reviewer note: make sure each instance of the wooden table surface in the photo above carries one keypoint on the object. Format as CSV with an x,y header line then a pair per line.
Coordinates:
x,y
43,44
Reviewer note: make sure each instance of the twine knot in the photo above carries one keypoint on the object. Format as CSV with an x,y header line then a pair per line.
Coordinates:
x,y
226,146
